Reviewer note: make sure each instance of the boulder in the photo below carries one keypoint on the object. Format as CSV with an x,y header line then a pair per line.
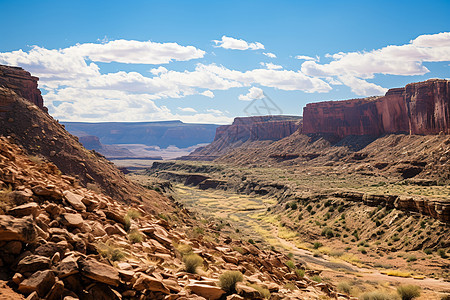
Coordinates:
x,y
145,282
56,291
68,266
98,271
72,220
75,200
19,229
40,281
32,263
207,291
23,210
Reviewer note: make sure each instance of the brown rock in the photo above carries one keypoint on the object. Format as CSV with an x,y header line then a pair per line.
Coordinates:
x,y
41,282
98,271
57,291
12,228
49,249
32,263
75,200
17,278
13,247
207,291
145,282
47,191
72,220
68,266
247,292
31,208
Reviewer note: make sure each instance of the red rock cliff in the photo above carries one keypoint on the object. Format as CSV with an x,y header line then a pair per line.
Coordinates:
x,y
418,108
22,83
258,128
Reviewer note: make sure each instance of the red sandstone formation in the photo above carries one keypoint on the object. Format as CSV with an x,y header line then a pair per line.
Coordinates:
x,y
258,128
245,129
22,83
418,108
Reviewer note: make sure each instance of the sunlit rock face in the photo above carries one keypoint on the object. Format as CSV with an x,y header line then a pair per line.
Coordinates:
x,y
418,108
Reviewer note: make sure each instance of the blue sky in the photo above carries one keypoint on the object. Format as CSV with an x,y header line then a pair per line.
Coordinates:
x,y
205,61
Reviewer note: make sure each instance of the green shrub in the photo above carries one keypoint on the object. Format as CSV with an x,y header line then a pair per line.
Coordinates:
x,y
184,249
376,295
441,253
262,291
290,264
300,273
294,206
408,292
427,251
328,232
411,258
133,214
135,236
228,280
344,287
192,262
316,278
110,252
317,245
251,241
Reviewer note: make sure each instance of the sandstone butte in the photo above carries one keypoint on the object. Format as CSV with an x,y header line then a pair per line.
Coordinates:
x,y
419,108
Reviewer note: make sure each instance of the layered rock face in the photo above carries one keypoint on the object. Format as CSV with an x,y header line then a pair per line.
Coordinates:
x,y
22,83
418,108
260,128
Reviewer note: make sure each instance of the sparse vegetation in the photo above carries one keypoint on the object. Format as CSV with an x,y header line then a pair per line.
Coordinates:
x,y
135,236
192,262
377,295
408,292
228,280
262,291
344,287
316,278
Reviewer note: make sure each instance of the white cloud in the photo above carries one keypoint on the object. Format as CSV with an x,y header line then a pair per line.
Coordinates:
x,y
187,109
208,94
281,79
404,60
305,57
362,87
215,111
271,66
135,52
158,70
237,44
253,93
394,60
269,54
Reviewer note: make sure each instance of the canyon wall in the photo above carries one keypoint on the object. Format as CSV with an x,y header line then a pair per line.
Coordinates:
x,y
22,83
258,128
418,108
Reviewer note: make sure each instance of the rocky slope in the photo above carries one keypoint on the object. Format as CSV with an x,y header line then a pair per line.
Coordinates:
x,y
22,83
42,136
263,128
61,241
418,108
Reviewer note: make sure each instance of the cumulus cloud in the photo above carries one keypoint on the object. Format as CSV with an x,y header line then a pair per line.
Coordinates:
x,y
271,66
269,54
305,57
280,79
394,60
353,68
237,44
135,52
208,94
187,109
253,93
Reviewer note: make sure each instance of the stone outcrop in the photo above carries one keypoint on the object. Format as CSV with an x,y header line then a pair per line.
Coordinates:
x,y
246,129
22,83
418,108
